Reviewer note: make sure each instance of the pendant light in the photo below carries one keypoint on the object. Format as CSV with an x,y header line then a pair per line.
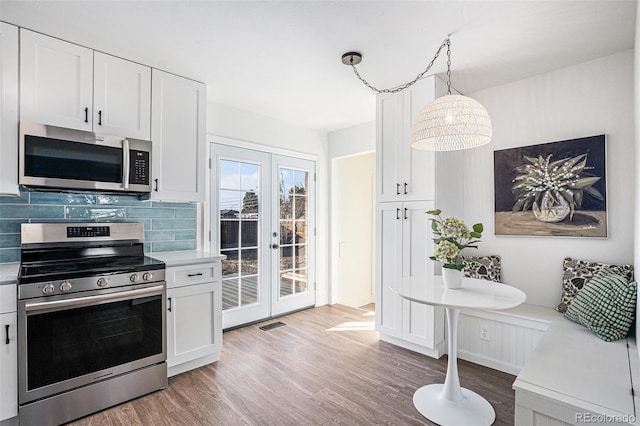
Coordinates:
x,y
450,122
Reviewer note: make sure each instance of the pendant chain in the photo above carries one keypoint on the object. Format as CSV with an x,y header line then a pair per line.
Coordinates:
x,y
400,88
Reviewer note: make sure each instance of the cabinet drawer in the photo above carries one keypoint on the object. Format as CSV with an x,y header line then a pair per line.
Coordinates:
x,y
8,298
194,274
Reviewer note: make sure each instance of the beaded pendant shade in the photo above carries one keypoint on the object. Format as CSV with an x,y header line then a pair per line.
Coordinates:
x,y
449,123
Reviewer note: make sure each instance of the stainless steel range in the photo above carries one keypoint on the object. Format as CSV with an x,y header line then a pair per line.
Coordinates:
x,y
91,320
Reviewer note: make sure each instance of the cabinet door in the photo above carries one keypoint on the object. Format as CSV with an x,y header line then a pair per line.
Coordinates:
x,y
122,97
421,324
178,126
389,134
8,366
56,82
388,268
194,322
417,167
8,109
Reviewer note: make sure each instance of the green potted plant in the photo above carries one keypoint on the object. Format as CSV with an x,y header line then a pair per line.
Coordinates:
x,y
451,237
552,190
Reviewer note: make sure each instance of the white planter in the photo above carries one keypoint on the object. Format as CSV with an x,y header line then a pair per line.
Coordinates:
x,y
452,278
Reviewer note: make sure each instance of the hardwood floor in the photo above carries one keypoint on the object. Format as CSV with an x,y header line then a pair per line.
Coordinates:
x,y
325,367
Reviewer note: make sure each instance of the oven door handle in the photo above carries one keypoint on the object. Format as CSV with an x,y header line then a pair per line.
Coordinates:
x,y
90,300
126,162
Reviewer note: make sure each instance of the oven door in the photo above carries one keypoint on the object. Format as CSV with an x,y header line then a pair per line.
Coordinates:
x,y
74,340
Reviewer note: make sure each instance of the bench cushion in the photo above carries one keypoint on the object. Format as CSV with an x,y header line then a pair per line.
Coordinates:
x,y
576,273
606,305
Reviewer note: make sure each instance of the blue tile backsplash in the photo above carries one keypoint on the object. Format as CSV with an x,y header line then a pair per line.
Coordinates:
x,y
168,226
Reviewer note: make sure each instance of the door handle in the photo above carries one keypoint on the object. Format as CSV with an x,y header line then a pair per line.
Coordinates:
x,y
397,189
6,329
100,120
199,274
405,213
156,182
86,115
397,214
405,188
275,246
169,303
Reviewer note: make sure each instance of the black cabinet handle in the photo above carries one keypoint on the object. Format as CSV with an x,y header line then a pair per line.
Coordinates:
x,y
199,274
6,329
86,115
156,182
405,188
405,213
100,122
397,214
397,189
169,302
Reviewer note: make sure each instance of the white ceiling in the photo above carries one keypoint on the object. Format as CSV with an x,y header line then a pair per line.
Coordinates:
x,y
282,58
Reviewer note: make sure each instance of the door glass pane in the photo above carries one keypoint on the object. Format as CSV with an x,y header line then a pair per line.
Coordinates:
x,y
249,263
293,231
230,293
286,232
239,230
250,233
249,293
229,234
249,176
229,174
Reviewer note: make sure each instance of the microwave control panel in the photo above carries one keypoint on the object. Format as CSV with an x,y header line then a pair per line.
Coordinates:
x,y
139,168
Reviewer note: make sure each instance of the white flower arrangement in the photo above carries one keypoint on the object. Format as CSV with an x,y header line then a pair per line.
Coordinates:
x,y
452,236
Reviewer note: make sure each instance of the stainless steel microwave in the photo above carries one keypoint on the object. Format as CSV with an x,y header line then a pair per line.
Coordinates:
x,y
55,157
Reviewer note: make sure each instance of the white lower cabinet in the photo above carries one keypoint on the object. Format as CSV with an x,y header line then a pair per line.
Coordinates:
x,y
8,354
194,316
403,249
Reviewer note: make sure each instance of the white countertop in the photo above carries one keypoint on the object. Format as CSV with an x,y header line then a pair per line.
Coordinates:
x,y
186,257
9,272
474,294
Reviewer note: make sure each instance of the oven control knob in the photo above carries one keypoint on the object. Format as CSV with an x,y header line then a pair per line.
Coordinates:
x,y
146,276
102,282
133,278
48,289
65,286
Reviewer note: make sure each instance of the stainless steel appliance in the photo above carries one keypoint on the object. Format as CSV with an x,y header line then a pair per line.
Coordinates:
x,y
54,157
91,320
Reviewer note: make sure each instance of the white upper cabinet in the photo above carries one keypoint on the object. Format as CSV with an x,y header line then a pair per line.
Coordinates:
x,y
56,82
8,109
403,173
122,97
66,85
178,126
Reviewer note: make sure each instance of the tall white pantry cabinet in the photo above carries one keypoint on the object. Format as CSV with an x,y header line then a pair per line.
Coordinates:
x,y
410,182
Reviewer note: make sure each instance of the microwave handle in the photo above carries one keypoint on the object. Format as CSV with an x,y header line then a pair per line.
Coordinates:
x,y
126,159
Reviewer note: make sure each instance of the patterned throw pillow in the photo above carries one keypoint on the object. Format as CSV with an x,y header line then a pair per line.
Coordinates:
x,y
482,267
606,305
576,273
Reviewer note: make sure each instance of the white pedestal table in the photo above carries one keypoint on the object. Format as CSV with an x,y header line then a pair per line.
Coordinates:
x,y
448,403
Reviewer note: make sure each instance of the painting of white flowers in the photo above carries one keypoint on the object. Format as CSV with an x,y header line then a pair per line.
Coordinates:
x,y
552,189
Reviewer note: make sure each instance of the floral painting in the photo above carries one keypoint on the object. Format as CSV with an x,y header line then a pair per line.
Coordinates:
x,y
552,189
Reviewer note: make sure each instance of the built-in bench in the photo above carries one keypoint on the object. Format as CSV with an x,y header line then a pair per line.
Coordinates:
x,y
565,374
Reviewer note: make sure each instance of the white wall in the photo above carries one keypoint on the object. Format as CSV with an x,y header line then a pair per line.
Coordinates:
x,y
636,258
353,140
582,100
352,229
246,126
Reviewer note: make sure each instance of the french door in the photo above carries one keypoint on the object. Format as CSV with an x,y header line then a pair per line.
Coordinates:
x,y
263,220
